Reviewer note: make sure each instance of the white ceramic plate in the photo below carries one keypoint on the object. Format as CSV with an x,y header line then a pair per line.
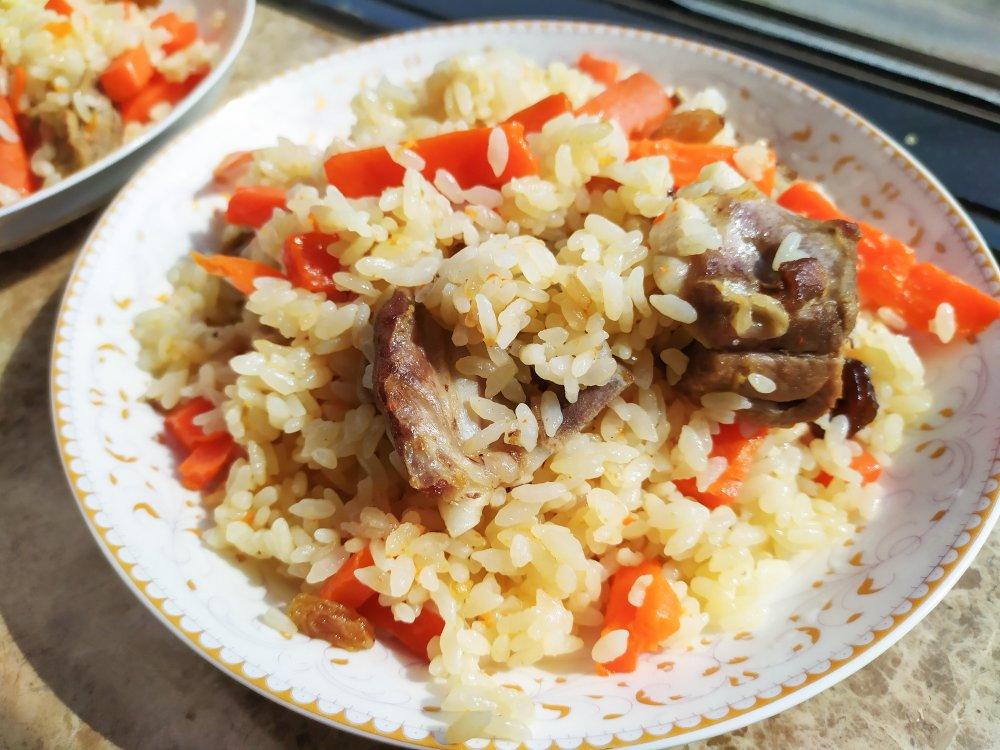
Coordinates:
x,y
940,493
83,191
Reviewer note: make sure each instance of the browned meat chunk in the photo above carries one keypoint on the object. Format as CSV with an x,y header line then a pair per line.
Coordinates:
x,y
413,389
788,323
83,143
591,402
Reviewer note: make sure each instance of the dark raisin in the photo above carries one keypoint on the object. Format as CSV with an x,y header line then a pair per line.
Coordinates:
x,y
693,126
333,622
804,279
857,399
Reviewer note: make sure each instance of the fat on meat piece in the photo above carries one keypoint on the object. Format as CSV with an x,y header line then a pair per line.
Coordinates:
x,y
789,324
413,389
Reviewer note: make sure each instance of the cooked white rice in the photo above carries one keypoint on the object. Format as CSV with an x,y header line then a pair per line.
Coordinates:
x,y
553,282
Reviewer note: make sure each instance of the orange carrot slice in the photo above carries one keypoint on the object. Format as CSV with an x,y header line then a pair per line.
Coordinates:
x,y
253,206
416,635
534,117
739,452
344,587
637,103
239,272
206,461
158,91
310,266
127,75
15,170
182,33
598,68
648,624
462,153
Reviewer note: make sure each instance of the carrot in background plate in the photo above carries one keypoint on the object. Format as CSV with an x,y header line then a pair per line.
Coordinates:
x,y
253,205
463,153
15,170
534,117
638,104
239,272
127,75
182,33
158,91
598,68
344,587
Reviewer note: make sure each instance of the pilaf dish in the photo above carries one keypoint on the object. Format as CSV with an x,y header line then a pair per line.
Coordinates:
x,y
542,360
79,78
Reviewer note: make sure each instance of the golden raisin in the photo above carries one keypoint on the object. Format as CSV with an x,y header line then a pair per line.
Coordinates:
x,y
693,126
335,623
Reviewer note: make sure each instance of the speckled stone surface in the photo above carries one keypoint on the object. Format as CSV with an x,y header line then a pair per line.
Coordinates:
x,y
83,664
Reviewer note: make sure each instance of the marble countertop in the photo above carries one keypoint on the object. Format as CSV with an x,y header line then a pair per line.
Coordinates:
x,y
83,664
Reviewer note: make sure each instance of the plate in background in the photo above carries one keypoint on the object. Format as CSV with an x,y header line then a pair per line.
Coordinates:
x,y
86,189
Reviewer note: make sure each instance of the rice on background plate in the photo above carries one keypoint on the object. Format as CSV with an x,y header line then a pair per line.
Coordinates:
x,y
79,78
545,285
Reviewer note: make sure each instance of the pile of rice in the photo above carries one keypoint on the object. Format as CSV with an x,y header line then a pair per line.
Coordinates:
x,y
63,58
542,280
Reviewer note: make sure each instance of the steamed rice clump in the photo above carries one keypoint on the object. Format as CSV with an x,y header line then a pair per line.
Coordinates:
x,y
52,61
544,282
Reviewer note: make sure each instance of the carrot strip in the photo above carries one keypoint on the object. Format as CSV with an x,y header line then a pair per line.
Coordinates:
x,y
310,266
180,424
59,6
232,167
534,117
928,286
637,103
206,461
739,452
656,618
416,635
15,170
18,81
253,206
127,75
182,33
889,275
864,463
462,153
688,159
159,91
601,70
239,272
344,587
